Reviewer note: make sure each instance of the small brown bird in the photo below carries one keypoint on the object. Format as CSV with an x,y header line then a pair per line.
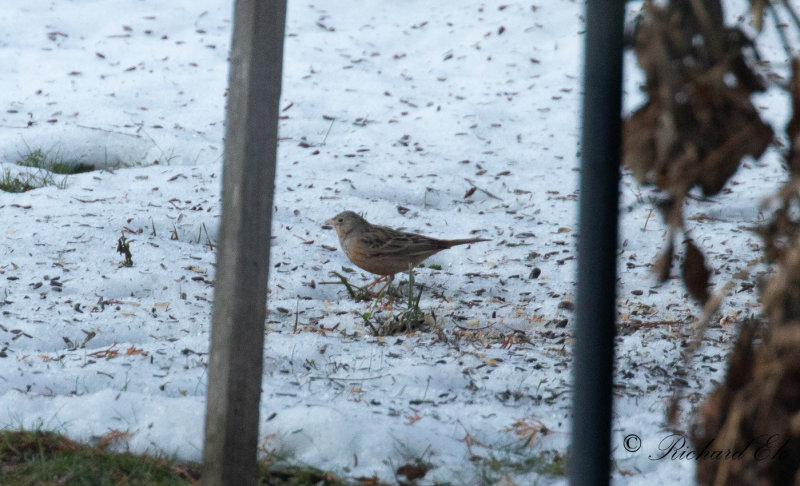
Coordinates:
x,y
385,251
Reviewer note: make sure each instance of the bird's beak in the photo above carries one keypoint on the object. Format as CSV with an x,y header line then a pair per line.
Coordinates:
x,y
330,222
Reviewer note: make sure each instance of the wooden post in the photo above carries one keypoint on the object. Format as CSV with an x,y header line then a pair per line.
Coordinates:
x,y
237,331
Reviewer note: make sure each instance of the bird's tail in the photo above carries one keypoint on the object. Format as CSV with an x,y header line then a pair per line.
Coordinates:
x,y
451,243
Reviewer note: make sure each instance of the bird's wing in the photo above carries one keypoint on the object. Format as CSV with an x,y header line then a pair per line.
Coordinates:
x,y
383,241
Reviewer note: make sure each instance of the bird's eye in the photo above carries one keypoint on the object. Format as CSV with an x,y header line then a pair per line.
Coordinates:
x,y
340,220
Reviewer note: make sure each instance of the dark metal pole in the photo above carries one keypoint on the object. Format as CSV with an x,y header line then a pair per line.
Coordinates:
x,y
237,331
590,448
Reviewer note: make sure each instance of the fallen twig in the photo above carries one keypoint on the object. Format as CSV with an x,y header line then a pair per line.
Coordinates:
x,y
483,190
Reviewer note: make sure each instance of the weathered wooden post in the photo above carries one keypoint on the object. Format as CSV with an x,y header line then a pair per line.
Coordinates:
x,y
237,333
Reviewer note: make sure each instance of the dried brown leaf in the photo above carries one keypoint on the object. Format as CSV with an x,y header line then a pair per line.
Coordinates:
x,y
413,471
112,437
696,126
638,139
664,262
793,128
723,160
695,273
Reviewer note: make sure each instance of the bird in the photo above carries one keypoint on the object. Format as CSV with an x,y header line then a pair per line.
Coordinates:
x,y
385,251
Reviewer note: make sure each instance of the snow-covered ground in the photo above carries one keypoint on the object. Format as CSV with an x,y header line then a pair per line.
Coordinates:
x,y
396,109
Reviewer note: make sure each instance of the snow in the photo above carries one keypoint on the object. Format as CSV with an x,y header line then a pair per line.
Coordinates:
x,y
384,105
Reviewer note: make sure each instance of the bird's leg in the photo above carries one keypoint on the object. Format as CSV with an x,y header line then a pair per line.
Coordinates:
x,y
376,281
379,295
382,291
389,279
